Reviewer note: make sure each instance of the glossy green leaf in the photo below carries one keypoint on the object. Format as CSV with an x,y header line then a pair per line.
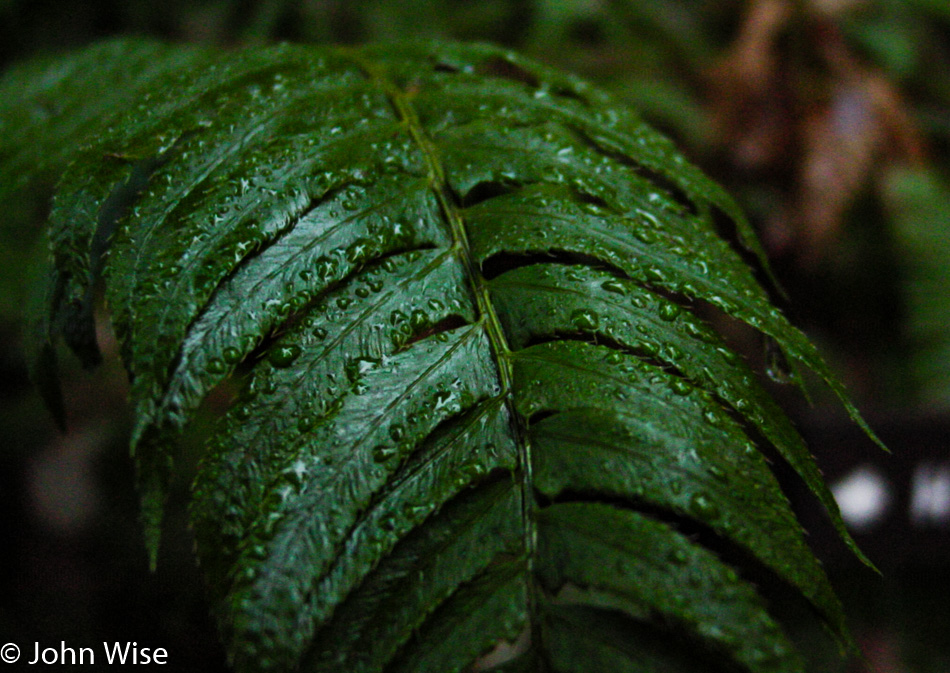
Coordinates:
x,y
458,291
621,559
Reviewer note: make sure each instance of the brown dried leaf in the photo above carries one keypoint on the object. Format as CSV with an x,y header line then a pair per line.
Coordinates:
x,y
747,93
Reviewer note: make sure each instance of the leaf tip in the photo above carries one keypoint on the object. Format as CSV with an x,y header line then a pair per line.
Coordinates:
x,y
153,489
151,529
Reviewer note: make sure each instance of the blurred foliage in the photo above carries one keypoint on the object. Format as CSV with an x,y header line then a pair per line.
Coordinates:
x,y
918,201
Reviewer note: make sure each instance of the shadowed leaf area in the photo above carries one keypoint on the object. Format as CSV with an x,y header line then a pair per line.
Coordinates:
x,y
479,426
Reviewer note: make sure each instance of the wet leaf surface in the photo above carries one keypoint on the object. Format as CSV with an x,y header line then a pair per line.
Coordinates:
x,y
477,404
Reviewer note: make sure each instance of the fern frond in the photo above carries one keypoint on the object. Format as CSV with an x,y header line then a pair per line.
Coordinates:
x,y
479,407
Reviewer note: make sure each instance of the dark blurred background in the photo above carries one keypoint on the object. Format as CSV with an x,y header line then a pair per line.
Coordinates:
x,y
828,119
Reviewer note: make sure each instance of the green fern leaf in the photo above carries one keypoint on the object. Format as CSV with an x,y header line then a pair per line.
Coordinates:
x,y
480,416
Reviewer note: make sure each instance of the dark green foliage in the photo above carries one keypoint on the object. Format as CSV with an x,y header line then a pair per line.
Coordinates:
x,y
477,406
918,199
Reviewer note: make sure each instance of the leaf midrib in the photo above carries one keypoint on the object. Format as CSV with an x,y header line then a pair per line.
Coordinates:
x,y
498,343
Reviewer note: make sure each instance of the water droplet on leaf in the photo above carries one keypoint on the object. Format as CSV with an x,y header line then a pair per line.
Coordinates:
x,y
382,453
231,355
216,366
585,319
615,286
681,386
668,311
703,507
284,356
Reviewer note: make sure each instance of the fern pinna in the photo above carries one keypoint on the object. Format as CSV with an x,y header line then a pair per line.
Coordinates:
x,y
480,426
